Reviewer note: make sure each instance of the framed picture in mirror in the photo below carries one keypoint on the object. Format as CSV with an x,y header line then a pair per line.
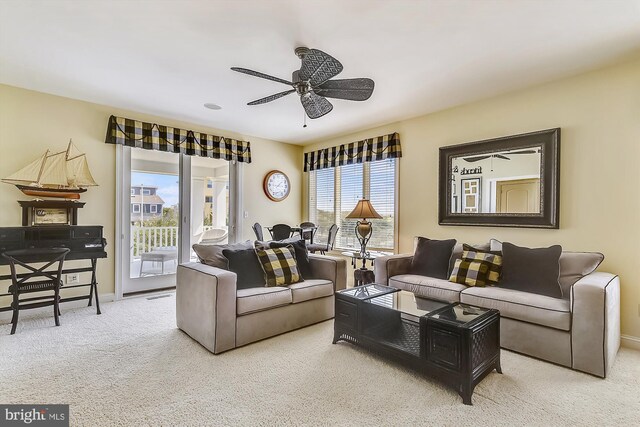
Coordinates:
x,y
512,181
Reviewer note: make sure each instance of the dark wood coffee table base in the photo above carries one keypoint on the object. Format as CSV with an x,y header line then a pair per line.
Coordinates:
x,y
458,355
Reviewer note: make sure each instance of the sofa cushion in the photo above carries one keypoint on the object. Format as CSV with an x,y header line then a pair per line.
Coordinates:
x,y
456,254
428,287
493,258
524,306
431,257
470,273
311,289
212,254
259,299
279,265
302,255
534,270
245,263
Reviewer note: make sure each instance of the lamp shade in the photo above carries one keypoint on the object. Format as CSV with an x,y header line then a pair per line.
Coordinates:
x,y
364,210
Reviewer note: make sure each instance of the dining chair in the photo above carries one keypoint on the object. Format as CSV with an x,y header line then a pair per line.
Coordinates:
x,y
280,231
35,279
308,231
257,229
323,248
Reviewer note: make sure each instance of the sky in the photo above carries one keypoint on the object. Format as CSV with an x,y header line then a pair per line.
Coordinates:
x,y
167,185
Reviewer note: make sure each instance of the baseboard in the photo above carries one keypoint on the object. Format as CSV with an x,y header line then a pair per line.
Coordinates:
x,y
5,316
630,342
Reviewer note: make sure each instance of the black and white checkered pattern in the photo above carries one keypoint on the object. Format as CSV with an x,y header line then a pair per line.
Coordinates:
x,y
151,136
367,150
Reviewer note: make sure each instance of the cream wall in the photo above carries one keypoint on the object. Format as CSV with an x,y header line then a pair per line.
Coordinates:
x,y
599,113
31,122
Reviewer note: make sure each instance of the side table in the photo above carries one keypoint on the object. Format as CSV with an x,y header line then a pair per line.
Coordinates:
x,y
362,275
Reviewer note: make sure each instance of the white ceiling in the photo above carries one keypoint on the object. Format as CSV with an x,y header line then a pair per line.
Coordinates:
x,y
170,57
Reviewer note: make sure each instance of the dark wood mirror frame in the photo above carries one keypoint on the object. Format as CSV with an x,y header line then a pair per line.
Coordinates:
x,y
548,140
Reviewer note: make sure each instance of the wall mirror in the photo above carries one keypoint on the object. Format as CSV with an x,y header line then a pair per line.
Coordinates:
x,y
513,181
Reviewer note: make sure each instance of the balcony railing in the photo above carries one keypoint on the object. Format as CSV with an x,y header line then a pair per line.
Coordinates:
x,y
145,239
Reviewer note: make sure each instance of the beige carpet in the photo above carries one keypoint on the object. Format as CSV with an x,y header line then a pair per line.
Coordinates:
x,y
131,366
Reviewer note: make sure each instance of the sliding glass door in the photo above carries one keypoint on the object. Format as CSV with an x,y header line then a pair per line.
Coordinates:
x,y
168,203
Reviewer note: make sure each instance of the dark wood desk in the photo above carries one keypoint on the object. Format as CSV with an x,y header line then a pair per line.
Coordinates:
x,y
85,243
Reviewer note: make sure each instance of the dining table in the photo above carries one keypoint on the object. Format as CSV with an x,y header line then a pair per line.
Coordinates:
x,y
300,230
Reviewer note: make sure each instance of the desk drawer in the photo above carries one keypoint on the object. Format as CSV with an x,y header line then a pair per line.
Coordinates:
x,y
86,232
11,235
346,313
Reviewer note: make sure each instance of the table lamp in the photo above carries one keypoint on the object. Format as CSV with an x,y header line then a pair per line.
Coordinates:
x,y
364,228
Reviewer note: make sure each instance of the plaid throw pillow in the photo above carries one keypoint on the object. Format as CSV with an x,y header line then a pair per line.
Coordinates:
x,y
279,265
493,258
470,273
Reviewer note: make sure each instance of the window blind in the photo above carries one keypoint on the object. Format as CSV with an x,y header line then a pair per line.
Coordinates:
x,y
351,190
334,192
322,202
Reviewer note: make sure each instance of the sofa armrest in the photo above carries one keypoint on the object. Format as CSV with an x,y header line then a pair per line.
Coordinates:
x,y
392,265
595,328
329,268
206,305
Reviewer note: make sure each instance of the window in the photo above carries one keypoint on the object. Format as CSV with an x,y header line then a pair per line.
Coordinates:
x,y
334,192
136,208
133,192
146,192
208,199
154,208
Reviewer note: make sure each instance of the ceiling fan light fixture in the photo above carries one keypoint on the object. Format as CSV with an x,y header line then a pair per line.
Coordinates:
x,y
212,106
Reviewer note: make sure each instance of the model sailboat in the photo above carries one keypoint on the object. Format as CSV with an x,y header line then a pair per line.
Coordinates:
x,y
63,175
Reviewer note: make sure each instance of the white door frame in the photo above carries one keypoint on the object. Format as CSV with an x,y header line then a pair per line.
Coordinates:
x,y
123,216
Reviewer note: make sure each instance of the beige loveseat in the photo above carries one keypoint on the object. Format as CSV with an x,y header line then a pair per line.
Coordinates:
x,y
580,331
213,312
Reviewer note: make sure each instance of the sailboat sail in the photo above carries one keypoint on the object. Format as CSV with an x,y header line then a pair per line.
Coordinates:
x,y
29,173
78,173
54,171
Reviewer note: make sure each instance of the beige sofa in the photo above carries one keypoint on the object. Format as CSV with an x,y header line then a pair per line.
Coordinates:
x,y
213,312
580,331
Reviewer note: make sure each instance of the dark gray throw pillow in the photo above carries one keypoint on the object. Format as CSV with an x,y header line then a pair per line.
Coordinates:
x,y
431,257
534,270
245,263
301,253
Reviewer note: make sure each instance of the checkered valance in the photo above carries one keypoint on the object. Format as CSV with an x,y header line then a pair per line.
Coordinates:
x,y
367,150
151,136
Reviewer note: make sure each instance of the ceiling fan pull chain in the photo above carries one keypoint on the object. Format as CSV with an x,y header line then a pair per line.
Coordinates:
x,y
304,115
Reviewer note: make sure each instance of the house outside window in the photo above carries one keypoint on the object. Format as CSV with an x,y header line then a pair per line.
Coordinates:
x,y
146,192
136,208
154,208
334,192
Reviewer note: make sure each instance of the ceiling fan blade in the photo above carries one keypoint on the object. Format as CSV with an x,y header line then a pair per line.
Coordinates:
x,y
318,67
500,156
261,75
350,89
476,158
315,106
271,97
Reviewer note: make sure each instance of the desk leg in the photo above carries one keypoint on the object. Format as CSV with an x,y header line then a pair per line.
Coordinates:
x,y
94,285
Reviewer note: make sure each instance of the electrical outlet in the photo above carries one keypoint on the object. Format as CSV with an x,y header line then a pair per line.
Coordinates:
x,y
72,279
246,214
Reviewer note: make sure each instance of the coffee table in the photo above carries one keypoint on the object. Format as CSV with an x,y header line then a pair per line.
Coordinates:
x,y
455,343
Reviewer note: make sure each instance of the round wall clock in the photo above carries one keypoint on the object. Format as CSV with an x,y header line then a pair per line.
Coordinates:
x,y
276,185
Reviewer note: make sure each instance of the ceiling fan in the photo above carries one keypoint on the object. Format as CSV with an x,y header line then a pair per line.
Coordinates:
x,y
499,156
311,82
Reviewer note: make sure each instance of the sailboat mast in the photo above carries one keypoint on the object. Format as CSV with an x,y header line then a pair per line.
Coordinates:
x,y
44,160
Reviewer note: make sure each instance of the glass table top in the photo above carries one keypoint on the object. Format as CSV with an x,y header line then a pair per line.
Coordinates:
x,y
460,313
408,303
368,291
